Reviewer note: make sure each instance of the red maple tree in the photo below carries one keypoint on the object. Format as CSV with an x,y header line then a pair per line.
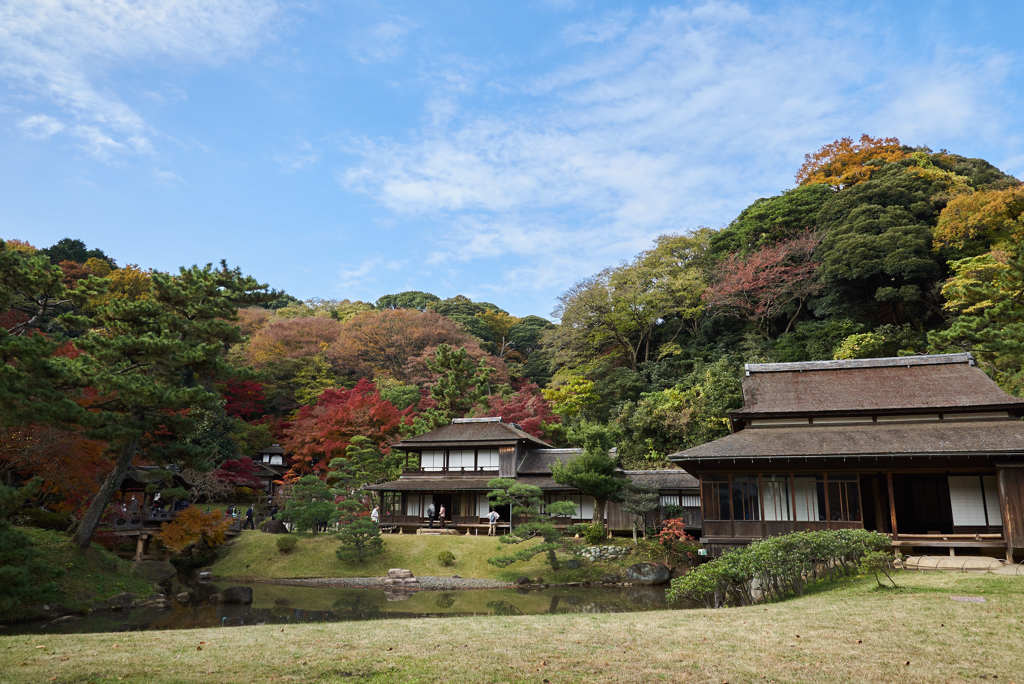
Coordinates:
x,y
324,430
527,408
768,283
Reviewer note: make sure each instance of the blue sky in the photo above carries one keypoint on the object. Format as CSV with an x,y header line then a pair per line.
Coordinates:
x,y
502,150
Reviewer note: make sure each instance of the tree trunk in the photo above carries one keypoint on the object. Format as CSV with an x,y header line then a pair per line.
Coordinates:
x,y
599,505
91,519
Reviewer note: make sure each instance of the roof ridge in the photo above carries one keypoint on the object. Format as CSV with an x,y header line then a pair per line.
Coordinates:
x,y
844,364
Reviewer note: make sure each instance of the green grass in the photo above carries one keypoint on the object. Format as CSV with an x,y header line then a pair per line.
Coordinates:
x,y
83,579
851,633
254,554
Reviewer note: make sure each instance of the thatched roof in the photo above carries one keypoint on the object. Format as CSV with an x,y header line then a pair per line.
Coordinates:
x,y
675,478
906,383
946,438
538,461
472,432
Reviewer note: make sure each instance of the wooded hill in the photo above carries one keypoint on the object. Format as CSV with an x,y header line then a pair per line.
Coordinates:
x,y
879,250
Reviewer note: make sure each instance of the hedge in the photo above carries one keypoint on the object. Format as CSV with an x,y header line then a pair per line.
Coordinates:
x,y
776,567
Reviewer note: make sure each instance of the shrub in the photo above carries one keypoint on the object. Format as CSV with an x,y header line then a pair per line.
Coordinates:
x,y
192,527
446,558
286,543
679,546
595,533
43,519
671,511
876,563
782,566
360,539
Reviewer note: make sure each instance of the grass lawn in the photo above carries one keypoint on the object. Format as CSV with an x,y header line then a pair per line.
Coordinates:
x,y
255,554
82,578
853,632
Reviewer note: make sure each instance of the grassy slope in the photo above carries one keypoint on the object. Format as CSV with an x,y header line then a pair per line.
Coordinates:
x,y
850,633
85,578
255,554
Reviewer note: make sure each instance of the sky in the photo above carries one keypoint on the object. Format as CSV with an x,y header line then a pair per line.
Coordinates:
x,y
500,150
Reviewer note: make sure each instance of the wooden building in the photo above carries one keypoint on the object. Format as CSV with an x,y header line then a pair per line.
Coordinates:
x,y
451,466
271,465
925,448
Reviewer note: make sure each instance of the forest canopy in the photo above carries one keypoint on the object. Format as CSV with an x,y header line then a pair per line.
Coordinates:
x,y
880,249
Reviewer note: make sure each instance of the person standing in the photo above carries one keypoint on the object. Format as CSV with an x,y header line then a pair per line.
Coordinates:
x,y
441,514
249,522
431,512
375,515
492,522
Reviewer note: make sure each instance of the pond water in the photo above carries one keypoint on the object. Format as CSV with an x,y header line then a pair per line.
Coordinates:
x,y
280,604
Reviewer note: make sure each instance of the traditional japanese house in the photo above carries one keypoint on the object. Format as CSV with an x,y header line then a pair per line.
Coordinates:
x,y
271,466
451,466
925,448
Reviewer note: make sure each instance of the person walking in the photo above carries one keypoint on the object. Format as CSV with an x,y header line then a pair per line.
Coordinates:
x,y
249,522
431,512
441,514
492,522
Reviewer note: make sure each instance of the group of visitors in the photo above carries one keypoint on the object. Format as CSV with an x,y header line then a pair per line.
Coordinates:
x,y
250,523
440,514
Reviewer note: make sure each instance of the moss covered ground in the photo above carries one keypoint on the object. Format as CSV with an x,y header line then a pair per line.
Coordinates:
x,y
254,554
82,578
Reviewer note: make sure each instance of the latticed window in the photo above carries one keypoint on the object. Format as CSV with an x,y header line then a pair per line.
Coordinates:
x,y
715,499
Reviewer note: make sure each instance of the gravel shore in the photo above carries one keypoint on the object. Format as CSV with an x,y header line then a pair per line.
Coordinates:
x,y
425,582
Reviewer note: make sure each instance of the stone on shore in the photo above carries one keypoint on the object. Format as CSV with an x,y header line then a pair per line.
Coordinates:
x,y
648,573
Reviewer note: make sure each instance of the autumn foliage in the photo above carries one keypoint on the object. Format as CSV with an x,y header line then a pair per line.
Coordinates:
x,y
843,162
990,215
771,281
396,343
69,465
324,430
192,526
527,408
238,472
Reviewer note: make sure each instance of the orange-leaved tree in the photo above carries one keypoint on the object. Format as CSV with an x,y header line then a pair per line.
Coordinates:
x,y
191,526
843,162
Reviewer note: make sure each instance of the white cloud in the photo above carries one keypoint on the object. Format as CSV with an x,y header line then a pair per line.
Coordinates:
x,y
63,51
602,30
166,177
302,157
40,126
383,42
660,123
355,280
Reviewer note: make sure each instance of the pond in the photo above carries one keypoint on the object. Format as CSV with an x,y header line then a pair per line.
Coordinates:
x,y
280,604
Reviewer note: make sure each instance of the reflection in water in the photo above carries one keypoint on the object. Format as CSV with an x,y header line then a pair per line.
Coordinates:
x,y
278,604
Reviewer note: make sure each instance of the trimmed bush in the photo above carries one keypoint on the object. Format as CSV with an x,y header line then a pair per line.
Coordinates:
x,y
776,567
360,539
446,558
595,533
286,543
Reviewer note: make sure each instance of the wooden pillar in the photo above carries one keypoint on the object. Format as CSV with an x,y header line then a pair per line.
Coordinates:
x,y
892,504
140,546
1011,507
